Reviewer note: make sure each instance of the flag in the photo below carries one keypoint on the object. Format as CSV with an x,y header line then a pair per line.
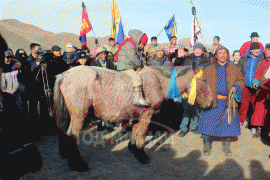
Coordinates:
x,y
121,35
115,18
85,27
171,28
196,30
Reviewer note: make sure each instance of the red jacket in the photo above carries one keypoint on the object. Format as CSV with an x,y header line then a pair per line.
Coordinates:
x,y
262,69
246,46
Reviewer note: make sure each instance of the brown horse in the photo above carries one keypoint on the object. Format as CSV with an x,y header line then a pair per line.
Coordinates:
x,y
110,94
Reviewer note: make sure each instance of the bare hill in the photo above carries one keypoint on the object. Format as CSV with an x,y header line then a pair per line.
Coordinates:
x,y
21,35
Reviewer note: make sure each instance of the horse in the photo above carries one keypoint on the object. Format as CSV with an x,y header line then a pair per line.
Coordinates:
x,y
109,93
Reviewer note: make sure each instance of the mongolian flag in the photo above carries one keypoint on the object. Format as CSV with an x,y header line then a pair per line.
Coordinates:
x,y
121,35
170,28
115,18
85,27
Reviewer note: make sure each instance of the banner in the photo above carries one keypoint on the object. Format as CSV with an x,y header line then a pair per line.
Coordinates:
x,y
85,27
115,18
171,28
121,35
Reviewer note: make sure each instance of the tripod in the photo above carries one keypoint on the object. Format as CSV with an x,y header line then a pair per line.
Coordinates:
x,y
46,88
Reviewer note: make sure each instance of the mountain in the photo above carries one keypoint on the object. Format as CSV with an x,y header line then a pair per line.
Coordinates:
x,y
21,35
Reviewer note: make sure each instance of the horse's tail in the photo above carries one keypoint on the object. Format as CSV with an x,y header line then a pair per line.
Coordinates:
x,y
60,109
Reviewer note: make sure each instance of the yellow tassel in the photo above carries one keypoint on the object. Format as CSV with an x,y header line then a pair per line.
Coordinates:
x,y
185,95
192,94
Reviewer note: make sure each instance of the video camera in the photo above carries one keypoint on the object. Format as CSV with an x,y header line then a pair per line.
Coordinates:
x,y
44,56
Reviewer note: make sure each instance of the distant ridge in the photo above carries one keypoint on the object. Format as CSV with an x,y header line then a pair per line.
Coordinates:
x,y
21,35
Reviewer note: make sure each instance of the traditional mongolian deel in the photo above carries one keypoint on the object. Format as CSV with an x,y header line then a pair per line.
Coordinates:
x,y
214,121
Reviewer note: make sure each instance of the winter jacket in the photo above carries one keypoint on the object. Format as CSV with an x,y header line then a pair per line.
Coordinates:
x,y
204,62
70,57
246,46
109,64
129,56
156,61
249,66
261,70
233,76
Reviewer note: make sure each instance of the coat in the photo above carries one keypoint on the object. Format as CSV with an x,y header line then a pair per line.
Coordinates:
x,y
205,61
111,49
246,46
233,76
242,64
260,110
129,56
156,61
109,64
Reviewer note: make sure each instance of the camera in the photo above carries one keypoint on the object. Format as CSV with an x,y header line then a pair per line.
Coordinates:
x,y
44,56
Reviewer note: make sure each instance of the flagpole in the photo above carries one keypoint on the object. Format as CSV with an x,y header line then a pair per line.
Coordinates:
x,y
83,5
166,24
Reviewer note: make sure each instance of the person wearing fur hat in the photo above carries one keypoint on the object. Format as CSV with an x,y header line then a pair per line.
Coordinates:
x,y
214,46
69,55
101,59
226,83
199,57
159,58
129,61
249,63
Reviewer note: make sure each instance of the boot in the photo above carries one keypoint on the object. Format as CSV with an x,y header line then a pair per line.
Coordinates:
x,y
207,145
226,147
138,97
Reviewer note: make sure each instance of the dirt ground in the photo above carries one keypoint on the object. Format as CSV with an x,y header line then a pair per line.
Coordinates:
x,y
171,157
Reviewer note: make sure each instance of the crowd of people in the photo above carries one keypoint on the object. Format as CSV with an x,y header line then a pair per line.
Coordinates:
x,y
28,80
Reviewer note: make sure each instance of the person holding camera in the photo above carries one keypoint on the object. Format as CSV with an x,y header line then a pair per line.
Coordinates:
x,y
37,93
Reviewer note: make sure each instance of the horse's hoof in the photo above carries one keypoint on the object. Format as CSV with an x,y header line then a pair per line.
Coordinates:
x,y
141,156
78,164
132,147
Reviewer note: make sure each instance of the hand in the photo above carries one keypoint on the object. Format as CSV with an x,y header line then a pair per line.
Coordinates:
x,y
16,72
173,60
255,85
233,90
37,63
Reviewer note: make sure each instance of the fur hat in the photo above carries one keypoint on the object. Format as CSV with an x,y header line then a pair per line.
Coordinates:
x,y
199,45
100,50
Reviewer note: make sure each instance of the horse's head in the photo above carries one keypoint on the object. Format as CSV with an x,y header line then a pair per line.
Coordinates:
x,y
204,95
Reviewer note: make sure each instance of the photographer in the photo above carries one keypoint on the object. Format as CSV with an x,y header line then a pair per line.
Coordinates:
x,y
36,92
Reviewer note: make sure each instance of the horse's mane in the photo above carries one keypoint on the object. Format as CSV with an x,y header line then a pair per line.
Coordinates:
x,y
167,71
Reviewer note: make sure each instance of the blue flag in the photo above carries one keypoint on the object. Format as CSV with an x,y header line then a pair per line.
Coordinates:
x,y
170,28
121,35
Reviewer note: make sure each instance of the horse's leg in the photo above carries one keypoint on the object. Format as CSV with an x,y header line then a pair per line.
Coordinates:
x,y
138,136
76,125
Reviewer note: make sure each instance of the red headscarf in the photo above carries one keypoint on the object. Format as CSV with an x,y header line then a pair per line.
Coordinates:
x,y
218,49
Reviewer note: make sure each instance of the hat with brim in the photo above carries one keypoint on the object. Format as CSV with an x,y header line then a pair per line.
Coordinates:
x,y
254,34
183,47
56,48
82,55
100,50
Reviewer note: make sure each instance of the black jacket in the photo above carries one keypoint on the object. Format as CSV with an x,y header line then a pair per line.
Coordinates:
x,y
179,61
204,62
109,64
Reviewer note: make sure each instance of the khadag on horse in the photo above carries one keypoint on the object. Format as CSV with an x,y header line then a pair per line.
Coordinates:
x,y
110,94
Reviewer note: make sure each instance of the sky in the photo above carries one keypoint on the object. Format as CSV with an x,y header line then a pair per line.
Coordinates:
x,y
232,20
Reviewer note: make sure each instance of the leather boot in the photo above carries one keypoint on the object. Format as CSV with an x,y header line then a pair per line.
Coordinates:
x,y
138,97
226,147
207,145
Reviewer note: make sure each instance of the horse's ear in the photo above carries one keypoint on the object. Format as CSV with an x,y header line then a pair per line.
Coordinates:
x,y
194,66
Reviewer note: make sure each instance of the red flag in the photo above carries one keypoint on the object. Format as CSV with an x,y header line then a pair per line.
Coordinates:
x,y
86,25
